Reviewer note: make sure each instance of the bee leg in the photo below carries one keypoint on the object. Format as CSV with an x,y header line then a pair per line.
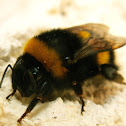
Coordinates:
x,y
78,90
119,79
83,104
109,71
29,108
40,96
10,95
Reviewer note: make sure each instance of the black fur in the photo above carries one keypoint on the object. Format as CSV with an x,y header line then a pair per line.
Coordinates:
x,y
30,77
63,41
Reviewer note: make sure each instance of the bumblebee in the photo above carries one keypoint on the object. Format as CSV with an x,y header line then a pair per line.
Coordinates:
x,y
62,59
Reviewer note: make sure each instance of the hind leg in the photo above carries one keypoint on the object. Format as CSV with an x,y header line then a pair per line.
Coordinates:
x,y
109,71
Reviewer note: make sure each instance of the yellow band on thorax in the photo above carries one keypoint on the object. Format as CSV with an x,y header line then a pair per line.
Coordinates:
x,y
47,56
85,34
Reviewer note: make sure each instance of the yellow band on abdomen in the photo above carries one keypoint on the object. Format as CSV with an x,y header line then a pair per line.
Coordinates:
x,y
103,57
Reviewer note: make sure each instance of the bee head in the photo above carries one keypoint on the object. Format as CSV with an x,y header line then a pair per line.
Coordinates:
x,y
26,75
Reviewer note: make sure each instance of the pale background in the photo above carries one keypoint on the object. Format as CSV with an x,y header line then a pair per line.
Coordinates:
x,y
22,19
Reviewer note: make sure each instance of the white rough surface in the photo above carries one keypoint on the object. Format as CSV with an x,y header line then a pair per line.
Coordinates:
x,y
20,20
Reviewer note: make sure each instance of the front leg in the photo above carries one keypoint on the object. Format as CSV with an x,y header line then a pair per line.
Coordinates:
x,y
29,108
78,90
42,91
10,95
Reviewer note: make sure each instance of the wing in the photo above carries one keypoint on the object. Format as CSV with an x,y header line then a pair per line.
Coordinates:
x,y
95,39
95,30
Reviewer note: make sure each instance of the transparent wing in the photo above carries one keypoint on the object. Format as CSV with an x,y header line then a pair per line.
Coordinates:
x,y
95,39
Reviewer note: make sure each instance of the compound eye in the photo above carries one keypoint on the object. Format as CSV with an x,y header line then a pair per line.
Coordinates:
x,y
34,72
